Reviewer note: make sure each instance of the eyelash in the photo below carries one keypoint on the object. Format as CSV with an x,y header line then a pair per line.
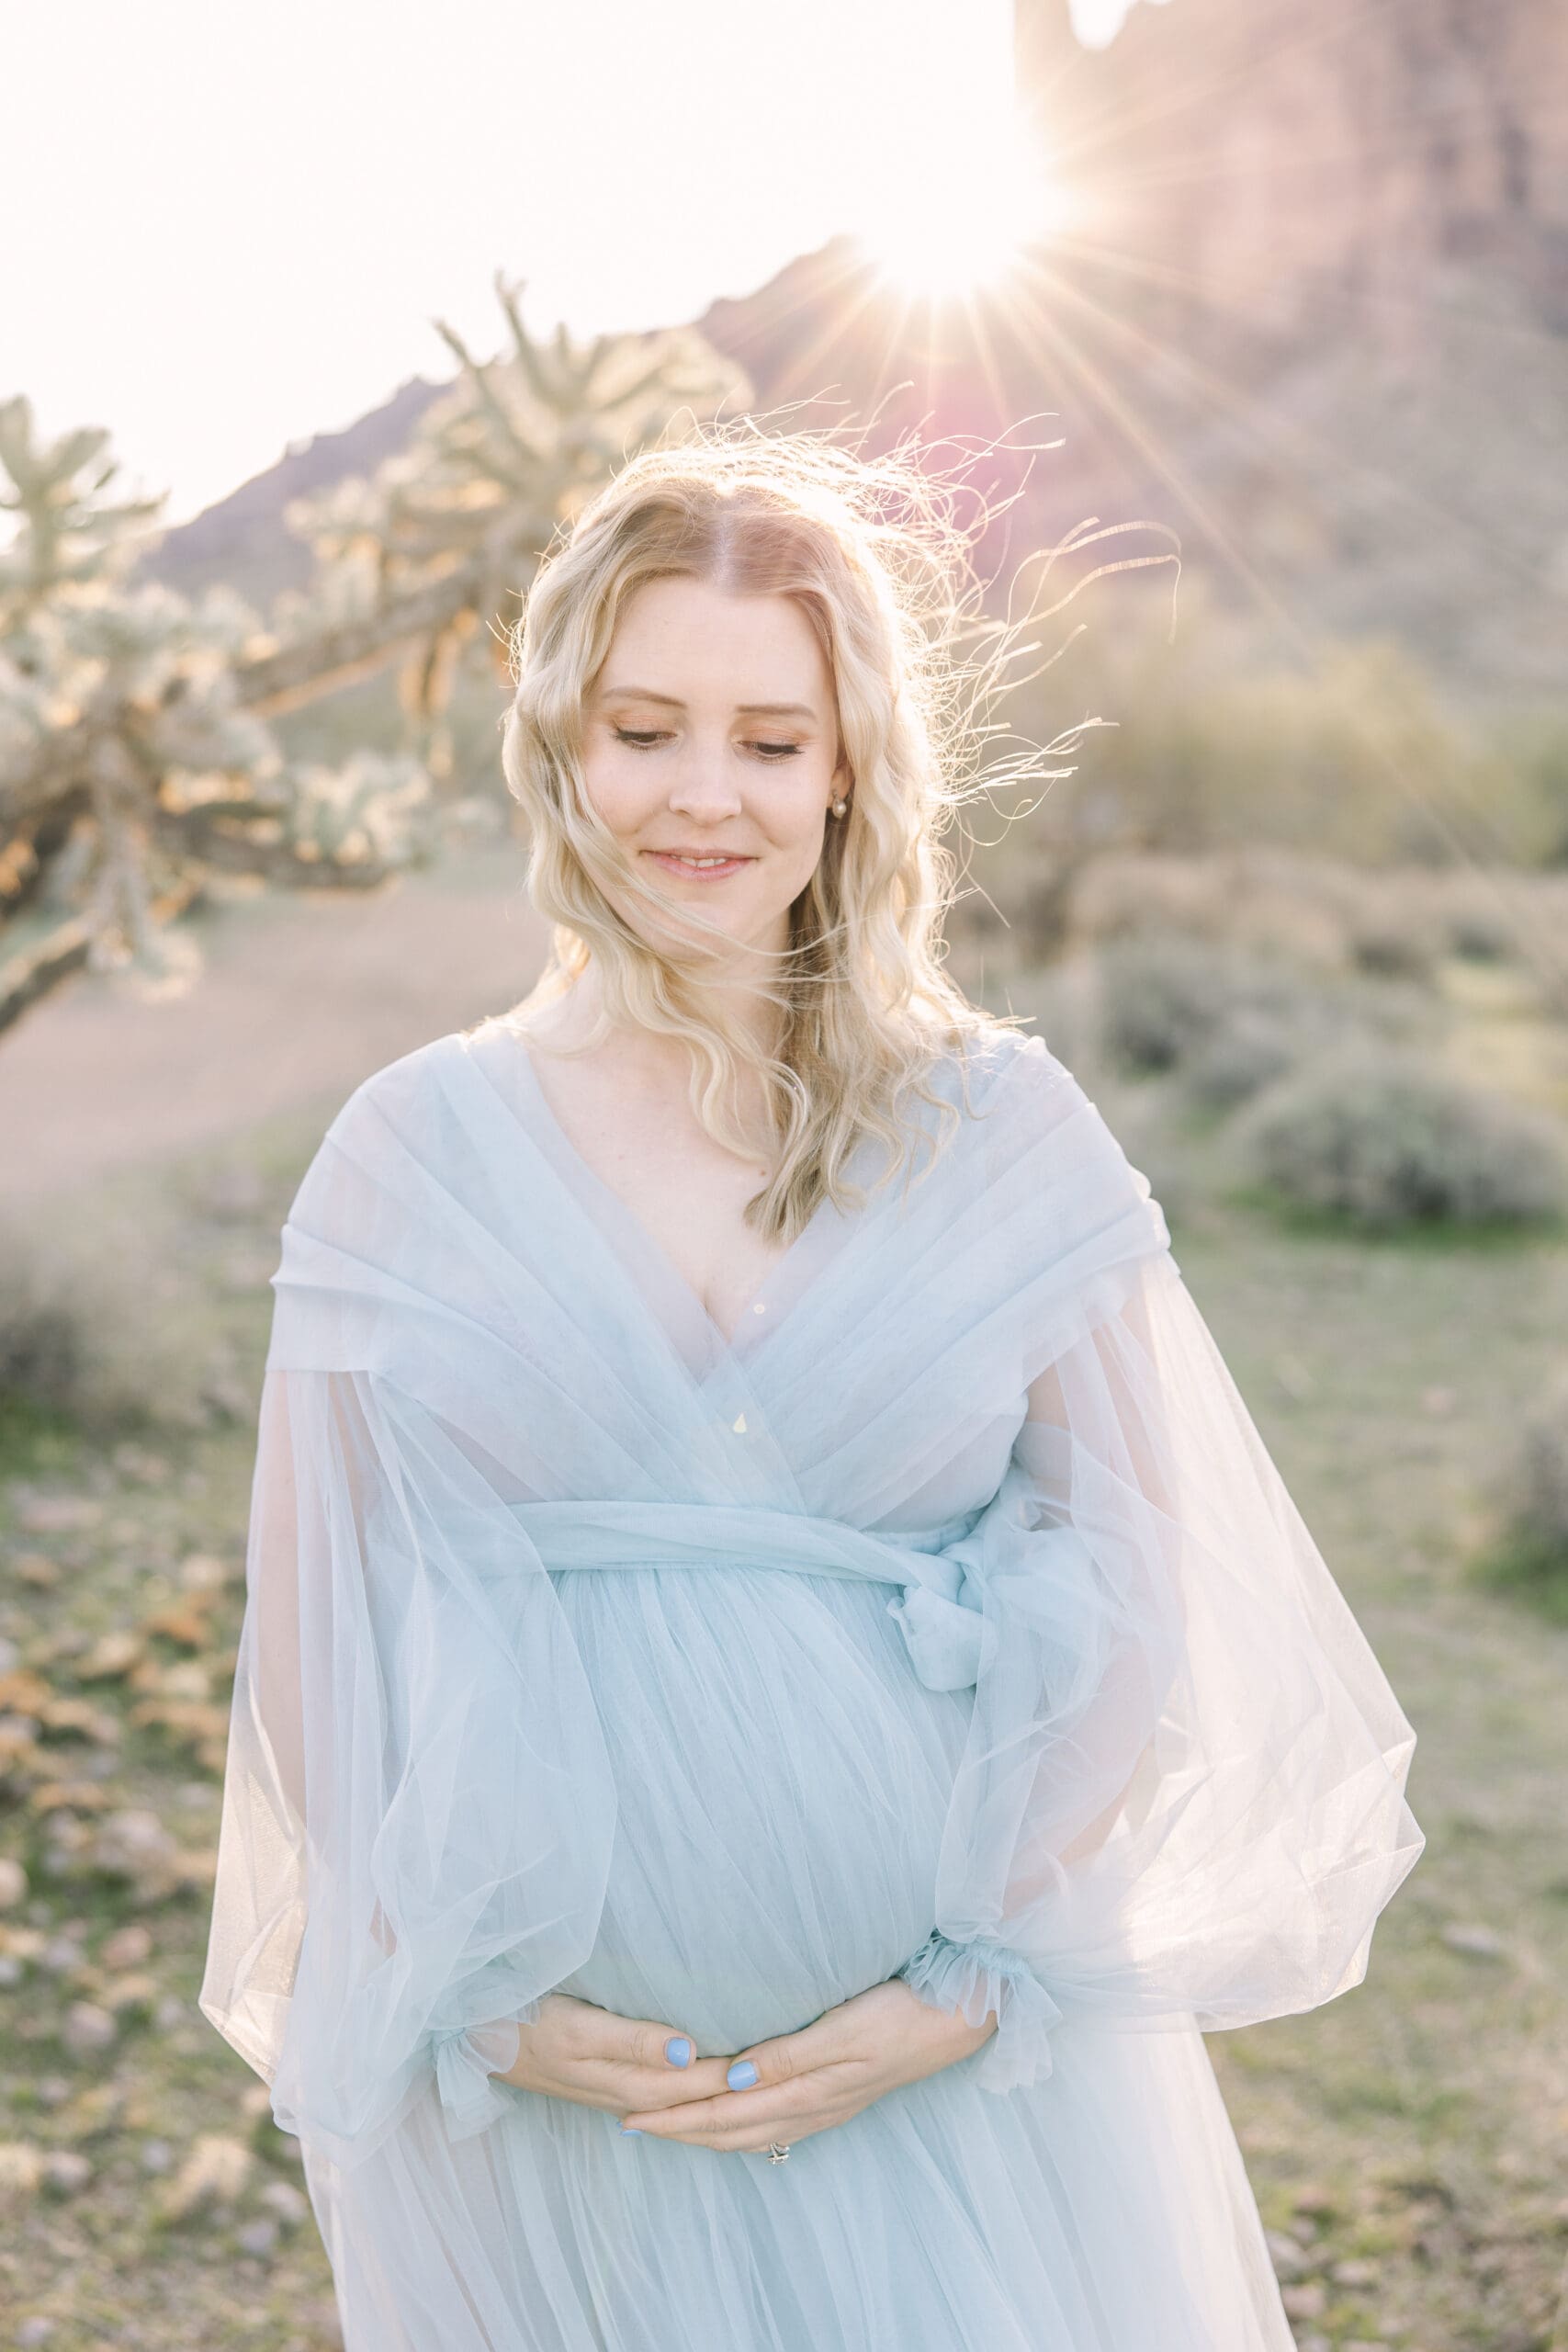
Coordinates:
x,y
644,738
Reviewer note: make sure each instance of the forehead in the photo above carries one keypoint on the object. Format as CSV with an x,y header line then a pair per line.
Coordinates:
x,y
692,641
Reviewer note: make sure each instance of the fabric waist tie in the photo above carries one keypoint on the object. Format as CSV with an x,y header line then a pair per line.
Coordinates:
x,y
939,1613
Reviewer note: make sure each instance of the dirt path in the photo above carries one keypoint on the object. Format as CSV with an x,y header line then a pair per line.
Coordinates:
x,y
302,995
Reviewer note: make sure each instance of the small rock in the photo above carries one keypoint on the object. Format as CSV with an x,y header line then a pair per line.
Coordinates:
x,y
1287,2257
112,1653
1474,1940
66,2170
21,2167
128,1947
189,1680
36,2330
215,2173
259,2238
135,1844
290,2204
88,2028
55,1514
12,1971
53,2090
1307,2301
13,1883
61,1955
204,1572
1355,2274
156,2155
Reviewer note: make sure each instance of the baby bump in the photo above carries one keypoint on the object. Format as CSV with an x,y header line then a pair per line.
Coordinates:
x,y
782,1781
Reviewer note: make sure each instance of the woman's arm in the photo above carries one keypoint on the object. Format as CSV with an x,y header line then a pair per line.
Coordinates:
x,y
418,1808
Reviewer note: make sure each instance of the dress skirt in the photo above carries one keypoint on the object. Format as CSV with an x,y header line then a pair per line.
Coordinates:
x,y
782,1779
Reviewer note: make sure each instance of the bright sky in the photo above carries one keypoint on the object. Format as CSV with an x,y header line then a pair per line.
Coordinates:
x,y
231,228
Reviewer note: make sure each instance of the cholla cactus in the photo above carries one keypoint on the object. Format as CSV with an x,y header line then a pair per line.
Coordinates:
x,y
135,752
369,815
106,690
68,533
452,528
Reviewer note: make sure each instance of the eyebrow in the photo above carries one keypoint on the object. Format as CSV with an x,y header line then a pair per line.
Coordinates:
x,y
673,702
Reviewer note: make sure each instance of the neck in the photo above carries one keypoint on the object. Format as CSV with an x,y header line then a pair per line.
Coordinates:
x,y
569,1019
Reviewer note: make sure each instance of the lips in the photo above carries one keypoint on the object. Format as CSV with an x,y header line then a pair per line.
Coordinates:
x,y
701,866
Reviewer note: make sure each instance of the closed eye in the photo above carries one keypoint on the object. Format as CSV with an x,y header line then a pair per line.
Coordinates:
x,y
644,739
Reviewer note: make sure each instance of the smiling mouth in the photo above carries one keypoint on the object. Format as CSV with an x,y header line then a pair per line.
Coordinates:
x,y
699,862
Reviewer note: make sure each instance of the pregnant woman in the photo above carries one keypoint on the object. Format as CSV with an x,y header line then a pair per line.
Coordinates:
x,y
781,1692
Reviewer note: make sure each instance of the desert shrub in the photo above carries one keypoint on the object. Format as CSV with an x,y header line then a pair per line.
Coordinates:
x,y
1162,997
1478,929
1250,1048
1230,1021
1528,1553
1395,938
97,1321
1320,913
1387,1138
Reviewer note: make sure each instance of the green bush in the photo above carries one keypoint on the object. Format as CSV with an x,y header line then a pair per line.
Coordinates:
x,y
1165,995
1529,1556
1252,1046
1387,1138
1230,1019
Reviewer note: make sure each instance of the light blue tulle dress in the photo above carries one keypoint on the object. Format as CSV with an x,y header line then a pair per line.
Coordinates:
x,y
714,1678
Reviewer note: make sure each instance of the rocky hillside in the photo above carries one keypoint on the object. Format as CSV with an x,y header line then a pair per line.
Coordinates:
x,y
1277,155
1311,317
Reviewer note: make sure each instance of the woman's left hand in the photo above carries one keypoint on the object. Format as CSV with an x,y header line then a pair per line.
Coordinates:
x,y
808,2081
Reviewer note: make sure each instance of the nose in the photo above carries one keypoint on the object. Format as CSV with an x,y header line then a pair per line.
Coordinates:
x,y
704,785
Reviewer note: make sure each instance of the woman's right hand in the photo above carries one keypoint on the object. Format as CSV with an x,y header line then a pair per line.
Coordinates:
x,y
575,2050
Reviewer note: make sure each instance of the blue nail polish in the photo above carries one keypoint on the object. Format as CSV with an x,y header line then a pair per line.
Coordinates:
x,y
678,2050
632,2130
741,2075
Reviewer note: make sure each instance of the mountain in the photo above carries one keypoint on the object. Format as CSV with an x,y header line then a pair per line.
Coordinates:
x,y
1308,315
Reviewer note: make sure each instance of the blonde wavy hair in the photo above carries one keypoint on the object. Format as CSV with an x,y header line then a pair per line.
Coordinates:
x,y
870,551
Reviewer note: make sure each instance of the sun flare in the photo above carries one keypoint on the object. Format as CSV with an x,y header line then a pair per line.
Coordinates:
x,y
968,226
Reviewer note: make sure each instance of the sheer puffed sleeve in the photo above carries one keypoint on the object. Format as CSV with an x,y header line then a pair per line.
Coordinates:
x,y
417,1805
1181,1799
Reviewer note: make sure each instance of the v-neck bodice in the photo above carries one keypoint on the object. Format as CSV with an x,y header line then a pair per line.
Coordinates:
x,y
758,1302
659,1287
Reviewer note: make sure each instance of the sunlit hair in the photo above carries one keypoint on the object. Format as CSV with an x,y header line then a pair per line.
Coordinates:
x,y
870,551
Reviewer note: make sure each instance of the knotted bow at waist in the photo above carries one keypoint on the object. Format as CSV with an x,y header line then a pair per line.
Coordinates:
x,y
939,1613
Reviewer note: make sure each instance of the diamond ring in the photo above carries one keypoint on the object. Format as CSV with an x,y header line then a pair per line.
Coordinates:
x,y
777,2151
